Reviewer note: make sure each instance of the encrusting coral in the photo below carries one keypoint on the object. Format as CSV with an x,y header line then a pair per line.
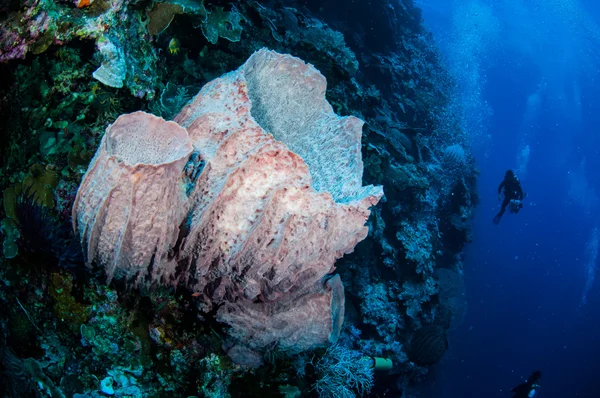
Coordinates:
x,y
218,202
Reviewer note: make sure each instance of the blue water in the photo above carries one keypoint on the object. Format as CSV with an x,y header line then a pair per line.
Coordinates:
x,y
531,97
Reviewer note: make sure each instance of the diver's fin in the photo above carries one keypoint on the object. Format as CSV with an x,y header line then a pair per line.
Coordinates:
x,y
496,219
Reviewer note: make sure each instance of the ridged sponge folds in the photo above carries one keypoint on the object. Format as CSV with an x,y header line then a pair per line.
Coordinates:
x,y
247,198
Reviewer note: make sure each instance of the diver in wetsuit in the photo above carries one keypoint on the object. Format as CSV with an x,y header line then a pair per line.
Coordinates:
x,y
513,194
530,388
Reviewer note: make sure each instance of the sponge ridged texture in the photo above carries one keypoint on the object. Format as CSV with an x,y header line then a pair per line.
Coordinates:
x,y
277,200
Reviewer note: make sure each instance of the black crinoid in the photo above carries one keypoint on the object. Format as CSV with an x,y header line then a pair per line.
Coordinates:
x,y
44,239
37,227
14,380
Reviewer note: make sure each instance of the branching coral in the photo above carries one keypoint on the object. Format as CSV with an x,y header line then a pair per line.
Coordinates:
x,y
343,373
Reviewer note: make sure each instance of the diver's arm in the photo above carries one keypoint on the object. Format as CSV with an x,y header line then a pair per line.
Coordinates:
x,y
520,192
500,189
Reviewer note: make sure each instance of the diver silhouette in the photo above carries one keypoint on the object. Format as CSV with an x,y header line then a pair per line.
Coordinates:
x,y
530,388
513,195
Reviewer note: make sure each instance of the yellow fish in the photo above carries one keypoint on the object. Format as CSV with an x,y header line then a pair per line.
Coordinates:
x,y
174,46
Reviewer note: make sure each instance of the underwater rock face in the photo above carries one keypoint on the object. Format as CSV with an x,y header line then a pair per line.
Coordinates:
x,y
259,226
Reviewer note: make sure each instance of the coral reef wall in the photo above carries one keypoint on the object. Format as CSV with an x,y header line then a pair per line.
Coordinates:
x,y
72,67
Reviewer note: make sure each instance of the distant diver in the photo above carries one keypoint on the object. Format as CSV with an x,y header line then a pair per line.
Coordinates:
x,y
513,195
530,388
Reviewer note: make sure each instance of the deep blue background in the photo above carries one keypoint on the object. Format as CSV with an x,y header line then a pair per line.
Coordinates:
x,y
526,277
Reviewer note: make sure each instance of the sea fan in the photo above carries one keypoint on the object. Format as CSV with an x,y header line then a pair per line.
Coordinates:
x,y
428,345
455,154
452,295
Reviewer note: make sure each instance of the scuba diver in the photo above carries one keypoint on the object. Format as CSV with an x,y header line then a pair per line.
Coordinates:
x,y
513,195
529,389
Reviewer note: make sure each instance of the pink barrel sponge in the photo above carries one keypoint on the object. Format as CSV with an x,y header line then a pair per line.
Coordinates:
x,y
130,203
261,195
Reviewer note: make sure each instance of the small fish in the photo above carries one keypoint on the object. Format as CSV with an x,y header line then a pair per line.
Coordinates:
x,y
174,46
83,3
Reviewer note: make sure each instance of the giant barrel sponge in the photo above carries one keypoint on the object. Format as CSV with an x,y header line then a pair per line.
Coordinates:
x,y
247,198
